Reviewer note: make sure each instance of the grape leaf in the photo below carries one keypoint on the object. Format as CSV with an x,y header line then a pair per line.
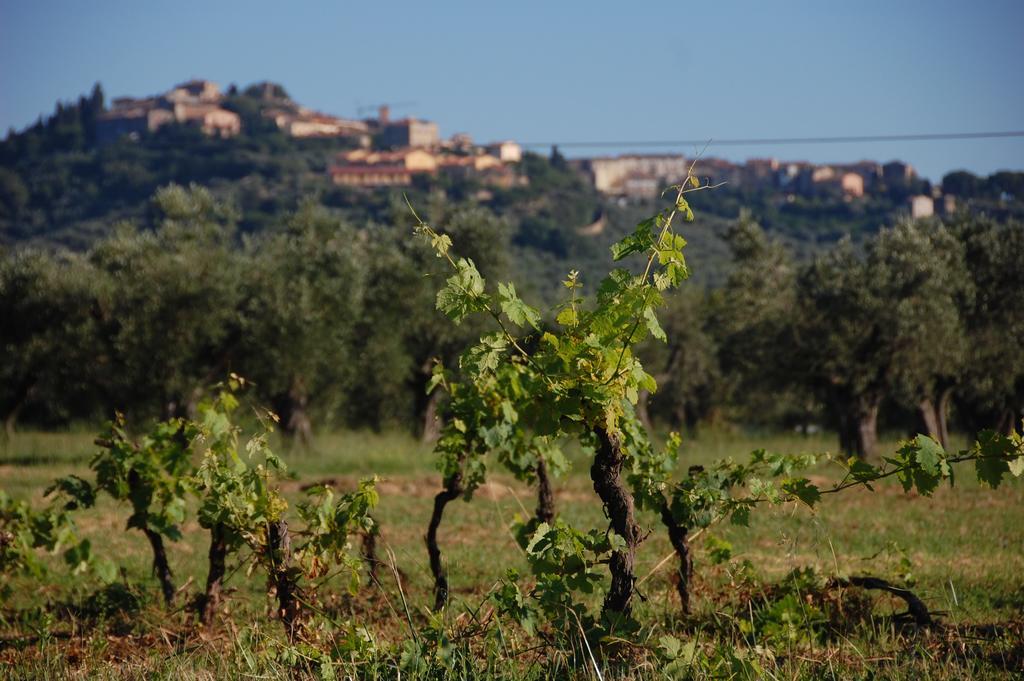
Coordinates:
x,y
518,312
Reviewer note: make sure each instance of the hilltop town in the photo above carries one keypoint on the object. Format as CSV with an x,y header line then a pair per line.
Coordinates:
x,y
391,152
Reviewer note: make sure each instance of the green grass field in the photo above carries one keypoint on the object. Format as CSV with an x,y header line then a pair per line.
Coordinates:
x,y
963,549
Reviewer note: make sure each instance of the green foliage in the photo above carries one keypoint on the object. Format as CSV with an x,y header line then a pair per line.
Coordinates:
x,y
329,525
165,304
237,492
579,381
302,291
463,293
24,530
518,312
152,474
584,378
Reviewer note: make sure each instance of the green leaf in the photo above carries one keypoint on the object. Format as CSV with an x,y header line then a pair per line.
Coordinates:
x,y
1016,466
863,472
518,312
670,647
486,355
930,454
463,293
437,377
637,242
991,464
77,557
802,489
567,317
651,320
740,516
719,550
440,243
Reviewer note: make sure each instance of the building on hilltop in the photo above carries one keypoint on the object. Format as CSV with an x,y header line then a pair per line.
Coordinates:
x,y
194,103
790,174
465,166
131,118
209,118
378,175
869,171
506,151
408,132
194,91
945,205
460,142
638,176
898,173
373,168
921,206
760,173
852,184
368,168
303,122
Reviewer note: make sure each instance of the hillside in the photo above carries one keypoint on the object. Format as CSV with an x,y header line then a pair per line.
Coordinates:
x,y
63,185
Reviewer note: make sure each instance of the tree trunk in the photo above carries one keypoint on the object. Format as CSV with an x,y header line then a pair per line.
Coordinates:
x,y
929,417
942,415
161,568
452,490
684,573
1006,424
24,392
867,429
282,577
545,495
858,426
934,416
431,429
618,507
10,420
847,432
299,424
215,577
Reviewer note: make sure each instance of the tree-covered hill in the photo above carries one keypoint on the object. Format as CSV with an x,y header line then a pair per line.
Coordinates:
x,y
60,188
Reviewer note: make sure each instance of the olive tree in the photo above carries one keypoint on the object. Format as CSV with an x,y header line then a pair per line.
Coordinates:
x,y
46,336
165,304
301,294
992,386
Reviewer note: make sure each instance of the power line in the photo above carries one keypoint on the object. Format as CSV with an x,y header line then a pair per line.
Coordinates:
x,y
784,140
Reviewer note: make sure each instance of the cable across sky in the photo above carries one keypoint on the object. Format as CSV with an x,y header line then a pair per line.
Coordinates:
x,y
784,140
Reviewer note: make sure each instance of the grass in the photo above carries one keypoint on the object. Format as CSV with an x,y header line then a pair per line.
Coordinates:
x,y
963,549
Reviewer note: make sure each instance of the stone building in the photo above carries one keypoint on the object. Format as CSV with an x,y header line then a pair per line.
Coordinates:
x,y
506,152
635,175
303,122
367,168
898,173
209,118
921,206
130,118
409,132
194,103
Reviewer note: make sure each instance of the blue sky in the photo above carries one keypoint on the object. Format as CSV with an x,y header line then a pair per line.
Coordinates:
x,y
566,71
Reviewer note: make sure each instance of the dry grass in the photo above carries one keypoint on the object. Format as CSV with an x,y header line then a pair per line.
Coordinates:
x,y
965,548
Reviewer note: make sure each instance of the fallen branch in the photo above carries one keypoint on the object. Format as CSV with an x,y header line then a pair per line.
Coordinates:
x,y
916,608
